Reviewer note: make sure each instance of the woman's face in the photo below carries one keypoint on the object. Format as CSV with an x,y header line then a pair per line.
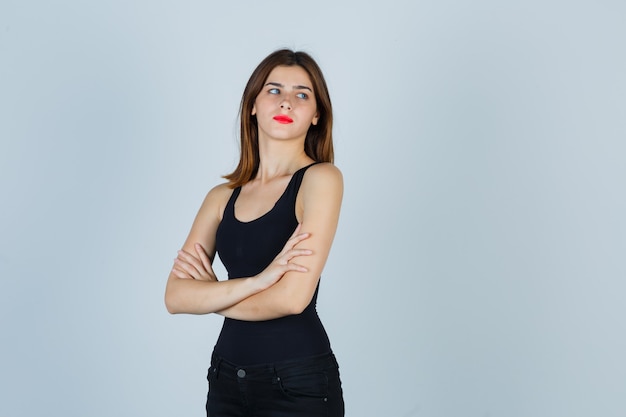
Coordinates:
x,y
286,106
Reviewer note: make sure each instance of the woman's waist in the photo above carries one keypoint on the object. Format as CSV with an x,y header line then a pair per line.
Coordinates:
x,y
319,362
263,342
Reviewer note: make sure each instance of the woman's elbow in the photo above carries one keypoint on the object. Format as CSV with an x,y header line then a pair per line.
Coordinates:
x,y
297,306
296,300
294,310
172,303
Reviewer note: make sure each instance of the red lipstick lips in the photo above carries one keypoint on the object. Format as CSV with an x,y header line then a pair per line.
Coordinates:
x,y
283,118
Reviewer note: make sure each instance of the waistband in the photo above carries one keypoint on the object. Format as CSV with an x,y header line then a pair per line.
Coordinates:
x,y
317,363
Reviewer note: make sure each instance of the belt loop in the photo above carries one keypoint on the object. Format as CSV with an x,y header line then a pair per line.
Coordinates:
x,y
218,362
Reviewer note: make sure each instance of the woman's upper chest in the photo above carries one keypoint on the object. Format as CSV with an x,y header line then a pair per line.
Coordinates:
x,y
257,199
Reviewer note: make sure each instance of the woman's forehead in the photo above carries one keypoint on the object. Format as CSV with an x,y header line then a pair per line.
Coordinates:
x,y
290,76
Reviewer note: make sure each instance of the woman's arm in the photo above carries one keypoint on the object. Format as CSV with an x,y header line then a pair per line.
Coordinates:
x,y
192,286
317,209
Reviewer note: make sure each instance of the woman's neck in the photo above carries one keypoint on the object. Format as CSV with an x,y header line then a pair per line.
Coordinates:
x,y
280,159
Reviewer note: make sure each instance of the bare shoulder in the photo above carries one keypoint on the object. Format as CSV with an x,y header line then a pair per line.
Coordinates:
x,y
220,191
322,184
216,199
323,174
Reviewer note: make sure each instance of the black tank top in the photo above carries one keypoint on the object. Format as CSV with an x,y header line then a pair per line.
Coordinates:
x,y
246,249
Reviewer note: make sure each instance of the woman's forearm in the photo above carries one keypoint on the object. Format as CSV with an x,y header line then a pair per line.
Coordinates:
x,y
282,299
204,297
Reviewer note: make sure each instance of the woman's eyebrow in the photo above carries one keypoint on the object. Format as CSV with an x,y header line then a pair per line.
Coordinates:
x,y
302,87
295,87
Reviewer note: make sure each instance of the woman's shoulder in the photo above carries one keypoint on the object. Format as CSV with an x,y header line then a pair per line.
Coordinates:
x,y
217,198
324,171
219,193
221,190
323,175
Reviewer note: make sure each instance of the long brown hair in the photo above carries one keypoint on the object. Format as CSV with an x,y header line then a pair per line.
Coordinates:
x,y
318,143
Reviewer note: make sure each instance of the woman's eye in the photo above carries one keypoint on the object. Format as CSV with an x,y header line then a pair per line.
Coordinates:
x,y
302,95
274,91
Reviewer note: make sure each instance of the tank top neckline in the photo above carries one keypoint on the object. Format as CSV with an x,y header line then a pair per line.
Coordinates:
x,y
282,195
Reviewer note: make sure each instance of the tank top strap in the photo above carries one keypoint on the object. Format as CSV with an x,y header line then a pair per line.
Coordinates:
x,y
289,195
229,210
296,181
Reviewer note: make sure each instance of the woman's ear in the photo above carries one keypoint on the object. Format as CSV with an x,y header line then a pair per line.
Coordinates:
x,y
253,112
315,119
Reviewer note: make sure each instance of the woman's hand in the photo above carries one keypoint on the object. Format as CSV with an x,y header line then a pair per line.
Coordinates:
x,y
188,266
281,265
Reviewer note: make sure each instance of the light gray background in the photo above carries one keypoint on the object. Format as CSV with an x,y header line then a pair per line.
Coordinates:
x,y
478,269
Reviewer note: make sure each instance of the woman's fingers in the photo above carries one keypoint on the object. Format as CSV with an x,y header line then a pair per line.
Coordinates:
x,y
179,273
185,267
281,263
298,238
295,232
204,258
191,260
182,269
295,238
198,267
190,264
290,266
293,253
208,273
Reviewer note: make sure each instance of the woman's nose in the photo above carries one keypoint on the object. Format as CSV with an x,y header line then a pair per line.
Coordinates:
x,y
286,105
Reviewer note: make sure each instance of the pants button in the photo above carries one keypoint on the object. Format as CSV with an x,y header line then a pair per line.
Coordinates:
x,y
241,373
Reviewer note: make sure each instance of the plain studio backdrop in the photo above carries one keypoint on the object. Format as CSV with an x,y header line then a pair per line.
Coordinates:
x,y
479,266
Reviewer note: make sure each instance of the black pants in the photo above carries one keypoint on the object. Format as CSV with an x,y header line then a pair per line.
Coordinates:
x,y
308,387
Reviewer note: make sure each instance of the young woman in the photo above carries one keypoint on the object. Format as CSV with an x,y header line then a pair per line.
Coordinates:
x,y
272,225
